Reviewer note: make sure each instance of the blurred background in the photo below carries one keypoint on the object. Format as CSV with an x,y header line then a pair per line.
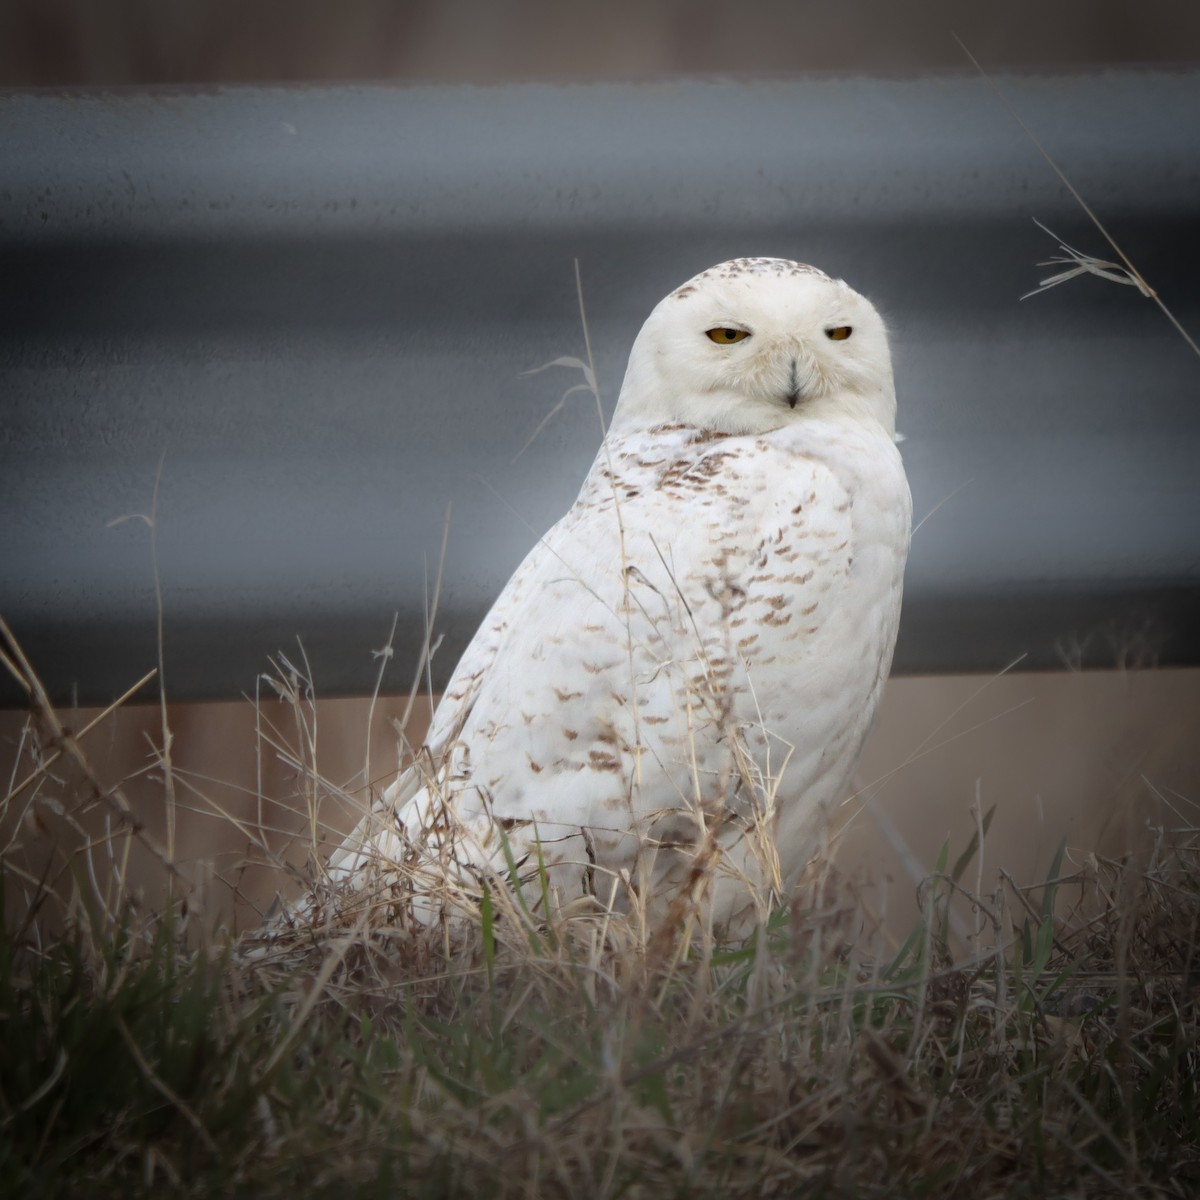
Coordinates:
x,y
71,43
1099,758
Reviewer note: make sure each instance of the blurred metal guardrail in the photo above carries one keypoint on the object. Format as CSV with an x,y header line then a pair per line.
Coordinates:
x,y
314,306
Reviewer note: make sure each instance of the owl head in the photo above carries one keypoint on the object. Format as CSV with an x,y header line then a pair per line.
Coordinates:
x,y
754,344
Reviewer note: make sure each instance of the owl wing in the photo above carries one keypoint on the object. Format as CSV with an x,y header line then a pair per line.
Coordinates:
x,y
638,632
377,832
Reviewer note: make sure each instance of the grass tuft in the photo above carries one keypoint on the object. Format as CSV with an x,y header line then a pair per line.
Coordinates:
x,y
1051,1050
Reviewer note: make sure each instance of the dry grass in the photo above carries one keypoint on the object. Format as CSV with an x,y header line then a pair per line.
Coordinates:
x,y
1053,1051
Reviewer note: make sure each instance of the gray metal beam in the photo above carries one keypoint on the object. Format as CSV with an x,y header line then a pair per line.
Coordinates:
x,y
318,304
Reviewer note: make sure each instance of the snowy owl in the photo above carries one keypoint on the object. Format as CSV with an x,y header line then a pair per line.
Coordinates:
x,y
673,688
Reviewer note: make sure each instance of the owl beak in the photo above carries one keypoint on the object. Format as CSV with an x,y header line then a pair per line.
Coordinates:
x,y
793,396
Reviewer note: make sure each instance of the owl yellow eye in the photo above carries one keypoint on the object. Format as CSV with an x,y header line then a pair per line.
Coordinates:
x,y
839,333
726,337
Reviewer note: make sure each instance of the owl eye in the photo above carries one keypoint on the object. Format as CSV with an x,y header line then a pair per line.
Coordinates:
x,y
839,333
726,337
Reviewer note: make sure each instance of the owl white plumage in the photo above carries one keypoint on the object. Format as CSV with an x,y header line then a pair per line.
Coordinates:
x,y
674,687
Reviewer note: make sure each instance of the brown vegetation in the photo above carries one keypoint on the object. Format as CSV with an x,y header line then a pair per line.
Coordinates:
x,y
1049,1050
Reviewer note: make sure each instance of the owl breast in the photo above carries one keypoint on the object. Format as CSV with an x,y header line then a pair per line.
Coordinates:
x,y
727,632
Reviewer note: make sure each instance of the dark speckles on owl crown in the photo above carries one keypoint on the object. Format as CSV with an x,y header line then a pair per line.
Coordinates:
x,y
736,267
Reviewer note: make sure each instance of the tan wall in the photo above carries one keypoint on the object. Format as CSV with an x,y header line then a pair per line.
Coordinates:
x,y
1098,758
1093,757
